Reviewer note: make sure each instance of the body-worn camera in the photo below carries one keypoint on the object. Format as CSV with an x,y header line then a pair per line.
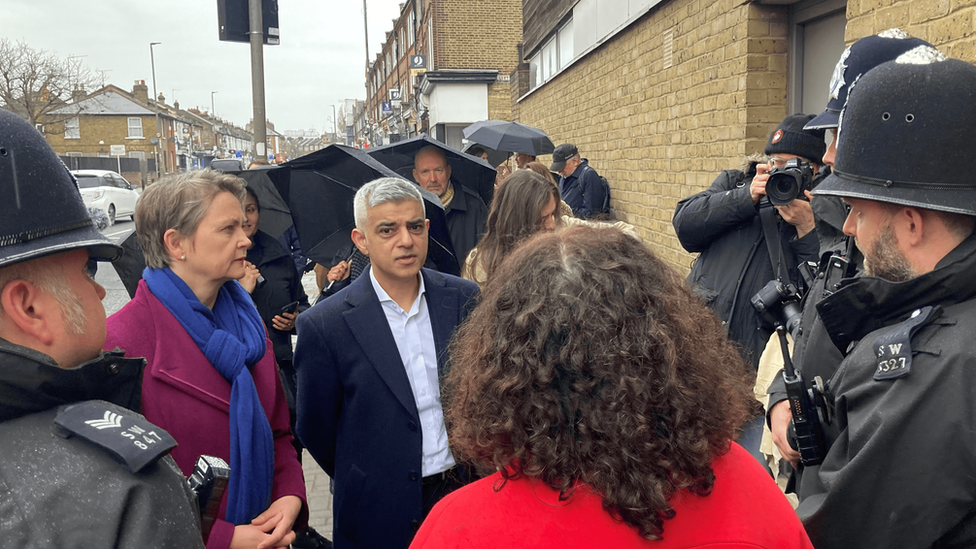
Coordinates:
x,y
782,302
789,182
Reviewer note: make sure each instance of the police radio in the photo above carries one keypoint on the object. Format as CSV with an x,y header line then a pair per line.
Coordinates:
x,y
208,481
806,436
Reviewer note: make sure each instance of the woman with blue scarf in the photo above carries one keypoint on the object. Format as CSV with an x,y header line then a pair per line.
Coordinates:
x,y
211,379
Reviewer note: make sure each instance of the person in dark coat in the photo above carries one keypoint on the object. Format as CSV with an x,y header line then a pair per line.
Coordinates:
x,y
902,447
723,223
272,287
59,393
370,360
580,186
839,258
464,210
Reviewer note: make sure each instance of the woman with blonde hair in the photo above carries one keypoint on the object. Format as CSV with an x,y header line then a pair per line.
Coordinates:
x,y
604,397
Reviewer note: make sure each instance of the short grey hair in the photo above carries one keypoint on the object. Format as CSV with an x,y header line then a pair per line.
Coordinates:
x,y
383,190
179,202
49,275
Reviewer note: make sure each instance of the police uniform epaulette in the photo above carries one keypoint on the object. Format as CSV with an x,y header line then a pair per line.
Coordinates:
x,y
128,437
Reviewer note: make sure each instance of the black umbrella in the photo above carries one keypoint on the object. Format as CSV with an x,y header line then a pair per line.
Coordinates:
x,y
509,136
318,189
275,215
469,171
129,267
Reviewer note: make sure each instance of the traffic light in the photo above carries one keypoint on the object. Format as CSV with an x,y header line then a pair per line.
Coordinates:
x,y
234,24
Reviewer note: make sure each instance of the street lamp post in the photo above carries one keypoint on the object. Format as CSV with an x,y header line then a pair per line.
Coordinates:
x,y
159,133
334,130
213,109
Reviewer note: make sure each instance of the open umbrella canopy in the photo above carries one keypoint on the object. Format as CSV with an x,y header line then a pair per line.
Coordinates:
x,y
129,267
469,171
509,136
275,215
318,189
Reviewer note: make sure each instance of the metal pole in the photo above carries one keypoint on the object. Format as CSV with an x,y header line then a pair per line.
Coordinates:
x,y
366,35
334,130
159,132
213,110
257,78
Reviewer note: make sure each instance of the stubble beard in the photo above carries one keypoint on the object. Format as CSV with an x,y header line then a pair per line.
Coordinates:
x,y
885,260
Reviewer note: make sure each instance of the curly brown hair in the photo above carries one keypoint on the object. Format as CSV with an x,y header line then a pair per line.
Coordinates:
x,y
515,214
588,359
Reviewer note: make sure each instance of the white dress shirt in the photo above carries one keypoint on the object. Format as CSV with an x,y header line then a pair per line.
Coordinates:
x,y
415,341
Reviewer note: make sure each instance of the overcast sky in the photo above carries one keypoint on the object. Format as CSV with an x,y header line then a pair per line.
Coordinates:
x,y
320,61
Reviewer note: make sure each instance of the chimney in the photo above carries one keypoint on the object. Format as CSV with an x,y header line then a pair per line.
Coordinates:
x,y
78,94
161,99
141,91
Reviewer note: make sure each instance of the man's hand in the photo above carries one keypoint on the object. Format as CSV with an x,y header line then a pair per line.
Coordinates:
x,y
779,421
758,186
251,274
799,214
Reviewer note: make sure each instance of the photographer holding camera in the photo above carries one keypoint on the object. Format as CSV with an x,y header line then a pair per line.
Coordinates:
x,y
725,224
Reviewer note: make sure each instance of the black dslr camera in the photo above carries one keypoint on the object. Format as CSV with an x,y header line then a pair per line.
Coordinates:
x,y
789,182
782,302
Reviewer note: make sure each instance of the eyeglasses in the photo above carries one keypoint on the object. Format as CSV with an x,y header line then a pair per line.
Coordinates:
x,y
91,267
778,162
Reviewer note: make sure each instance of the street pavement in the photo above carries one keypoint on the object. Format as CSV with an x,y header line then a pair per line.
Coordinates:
x,y
316,481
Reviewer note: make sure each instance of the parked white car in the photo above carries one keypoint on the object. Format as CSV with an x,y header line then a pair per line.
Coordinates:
x,y
107,191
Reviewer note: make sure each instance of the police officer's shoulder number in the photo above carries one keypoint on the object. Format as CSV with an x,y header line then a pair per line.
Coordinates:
x,y
129,438
893,348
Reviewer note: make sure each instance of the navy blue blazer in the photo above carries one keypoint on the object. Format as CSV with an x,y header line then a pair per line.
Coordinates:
x,y
356,411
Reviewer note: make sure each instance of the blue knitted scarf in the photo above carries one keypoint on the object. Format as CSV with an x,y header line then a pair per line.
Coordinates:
x,y
232,337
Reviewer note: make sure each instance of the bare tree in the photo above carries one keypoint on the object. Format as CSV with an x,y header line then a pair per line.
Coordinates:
x,y
34,83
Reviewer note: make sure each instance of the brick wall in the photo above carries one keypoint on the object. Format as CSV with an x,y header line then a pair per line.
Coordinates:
x,y
950,25
477,35
661,134
500,101
113,130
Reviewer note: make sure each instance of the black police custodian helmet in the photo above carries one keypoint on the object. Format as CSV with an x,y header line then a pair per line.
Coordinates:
x,y
42,212
858,59
906,136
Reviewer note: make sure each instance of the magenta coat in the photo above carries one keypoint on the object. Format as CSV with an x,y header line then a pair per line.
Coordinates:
x,y
184,394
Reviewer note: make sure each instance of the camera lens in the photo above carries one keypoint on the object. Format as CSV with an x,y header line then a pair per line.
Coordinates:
x,y
782,188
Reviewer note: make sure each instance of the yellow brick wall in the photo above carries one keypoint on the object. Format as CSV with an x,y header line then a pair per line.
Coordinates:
x,y
499,101
659,134
113,130
950,25
477,35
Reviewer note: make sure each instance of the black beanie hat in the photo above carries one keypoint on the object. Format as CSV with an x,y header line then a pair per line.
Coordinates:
x,y
790,138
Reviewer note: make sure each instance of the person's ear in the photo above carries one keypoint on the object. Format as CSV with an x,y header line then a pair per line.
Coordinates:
x,y
27,314
175,244
359,239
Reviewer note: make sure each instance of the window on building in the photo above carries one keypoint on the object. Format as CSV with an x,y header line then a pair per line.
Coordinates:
x,y
135,127
72,130
141,155
412,29
73,154
556,54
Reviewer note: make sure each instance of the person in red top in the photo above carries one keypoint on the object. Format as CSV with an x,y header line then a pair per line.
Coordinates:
x,y
606,397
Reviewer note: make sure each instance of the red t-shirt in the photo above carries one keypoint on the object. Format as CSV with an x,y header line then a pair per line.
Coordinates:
x,y
744,510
